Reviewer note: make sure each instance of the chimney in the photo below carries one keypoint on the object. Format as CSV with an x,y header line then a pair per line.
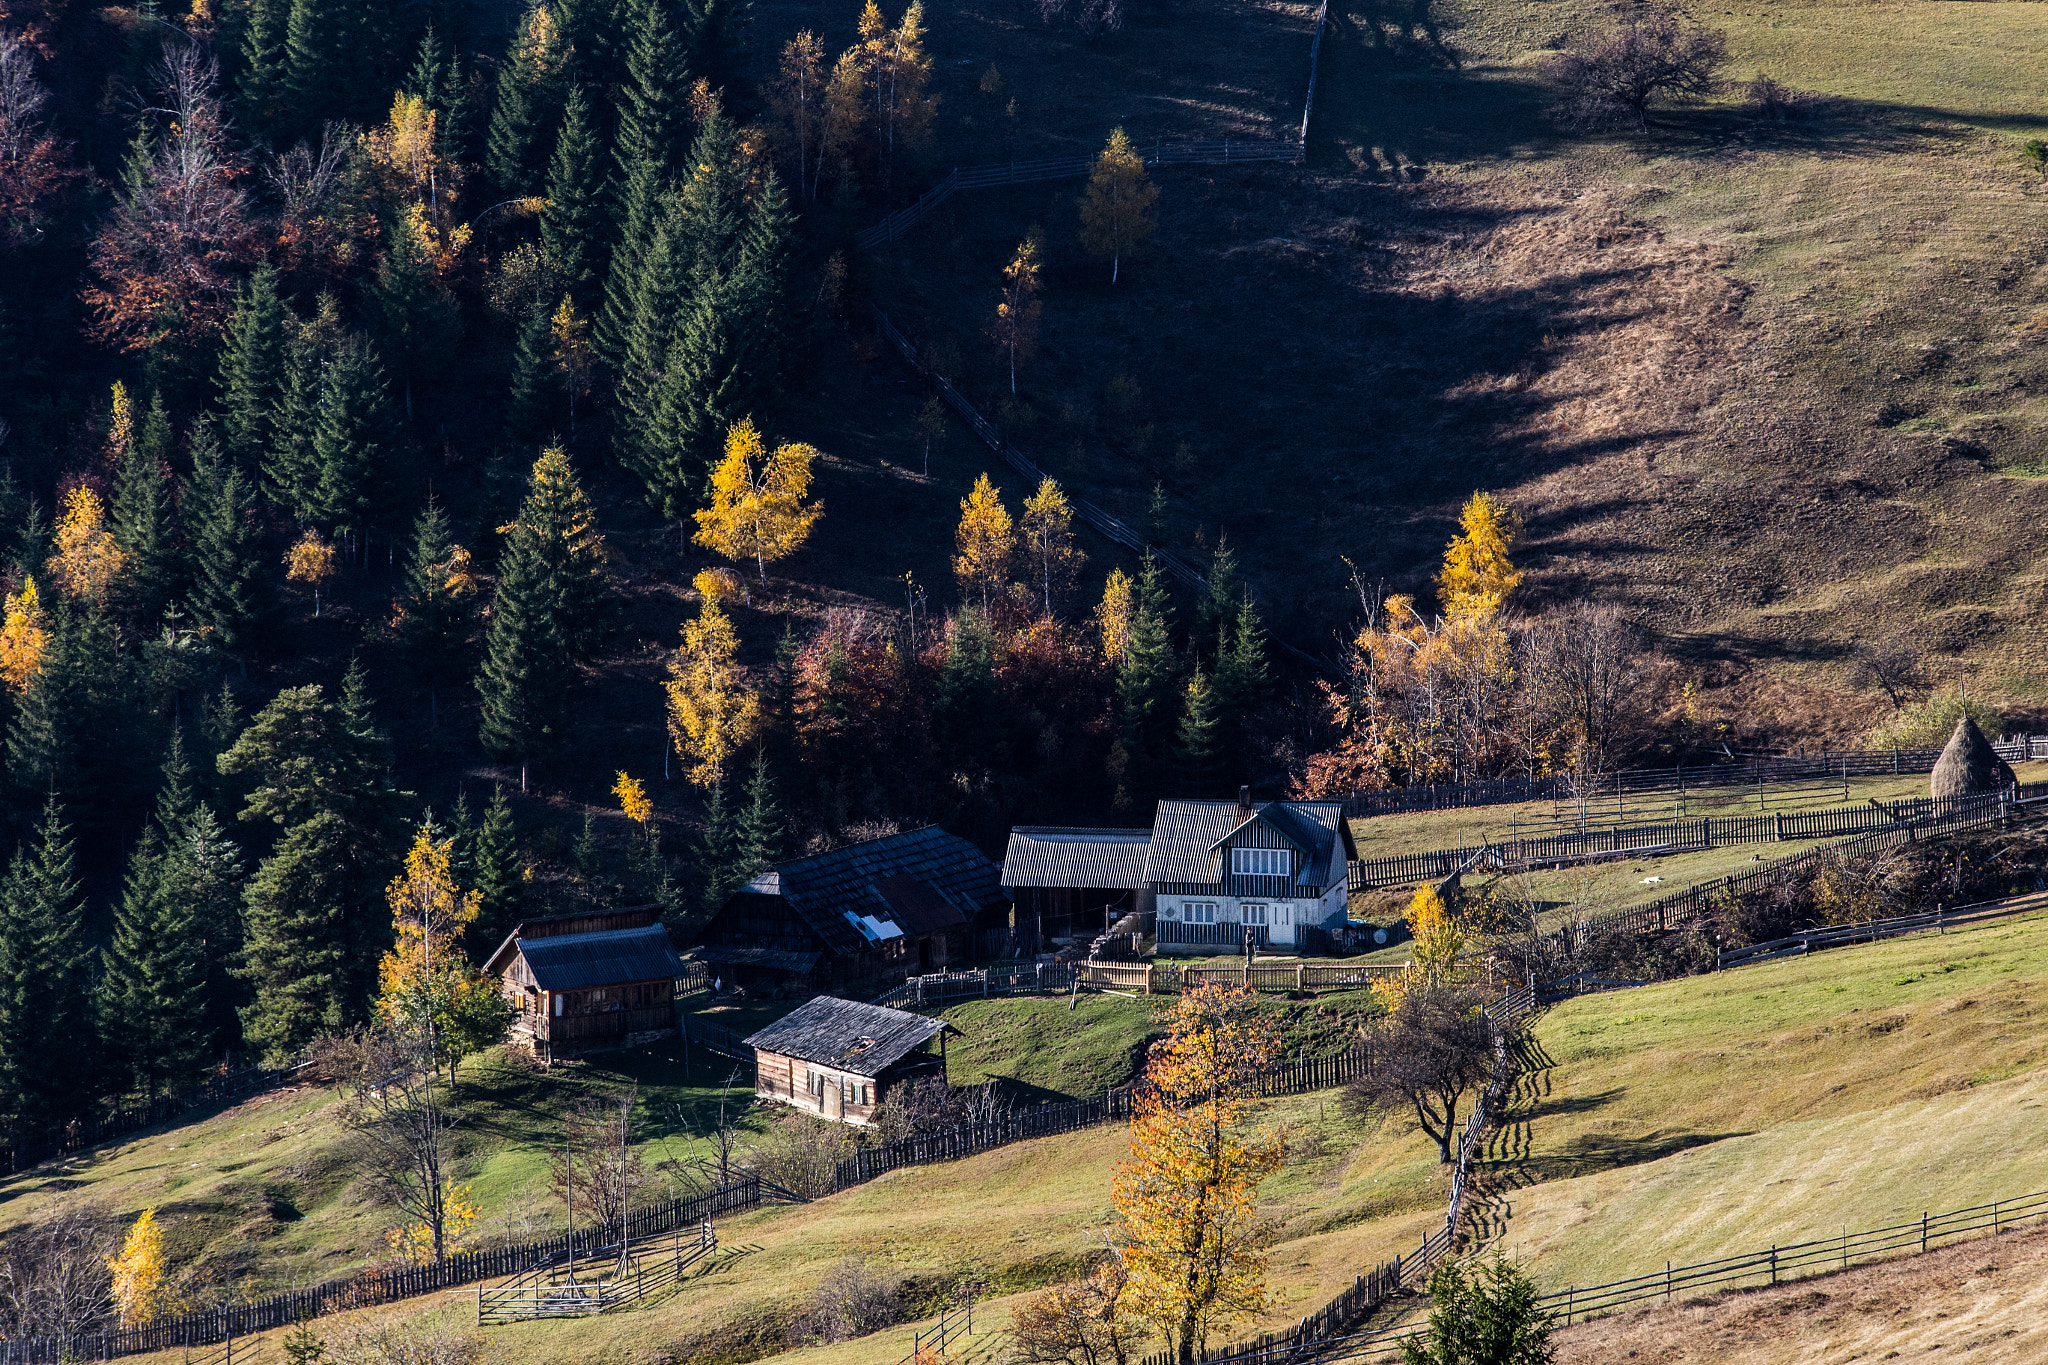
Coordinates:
x,y
1244,801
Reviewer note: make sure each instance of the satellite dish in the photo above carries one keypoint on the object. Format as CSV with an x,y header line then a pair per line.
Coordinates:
x,y
1379,936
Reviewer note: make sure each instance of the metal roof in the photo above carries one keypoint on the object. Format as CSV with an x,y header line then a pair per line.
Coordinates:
x,y
863,1039
1106,859
1186,834
835,892
612,957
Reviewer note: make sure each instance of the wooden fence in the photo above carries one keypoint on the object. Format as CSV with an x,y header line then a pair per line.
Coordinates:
x,y
1668,836
131,1114
637,1271
1873,931
1745,771
377,1285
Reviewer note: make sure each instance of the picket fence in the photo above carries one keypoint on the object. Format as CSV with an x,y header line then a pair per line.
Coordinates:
x,y
1746,770
1665,836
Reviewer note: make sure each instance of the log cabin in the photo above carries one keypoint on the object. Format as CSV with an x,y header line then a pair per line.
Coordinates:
x,y
868,915
839,1059
589,982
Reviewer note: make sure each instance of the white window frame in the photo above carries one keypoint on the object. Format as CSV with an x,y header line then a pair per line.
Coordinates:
x,y
1201,912
1261,862
1253,913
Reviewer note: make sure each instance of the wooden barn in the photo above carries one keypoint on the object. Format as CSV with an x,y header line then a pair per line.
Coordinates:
x,y
872,913
839,1059
589,982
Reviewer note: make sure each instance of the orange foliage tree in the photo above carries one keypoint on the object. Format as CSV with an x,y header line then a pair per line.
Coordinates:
x,y
1187,1195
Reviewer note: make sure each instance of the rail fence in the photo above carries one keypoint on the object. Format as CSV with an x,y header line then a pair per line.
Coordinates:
x,y
128,1116
1747,770
954,1323
378,1285
1695,902
1668,836
1873,931
637,1272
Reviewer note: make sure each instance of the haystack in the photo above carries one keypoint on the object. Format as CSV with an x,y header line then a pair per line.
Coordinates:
x,y
1969,765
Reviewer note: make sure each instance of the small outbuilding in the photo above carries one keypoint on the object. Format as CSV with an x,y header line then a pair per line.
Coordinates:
x,y
1969,766
839,1059
590,982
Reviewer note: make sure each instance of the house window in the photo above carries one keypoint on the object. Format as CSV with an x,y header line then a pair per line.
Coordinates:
x,y
1254,914
1201,912
1259,862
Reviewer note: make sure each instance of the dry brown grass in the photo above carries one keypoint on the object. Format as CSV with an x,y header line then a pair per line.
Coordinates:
x,y
1985,1300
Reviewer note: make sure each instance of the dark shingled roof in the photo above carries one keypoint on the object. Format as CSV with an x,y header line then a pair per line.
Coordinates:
x,y
918,908
1107,859
776,959
1185,835
864,1039
614,957
824,890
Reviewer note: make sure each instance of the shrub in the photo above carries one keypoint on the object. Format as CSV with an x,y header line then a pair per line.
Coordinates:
x,y
1928,724
851,1301
1659,51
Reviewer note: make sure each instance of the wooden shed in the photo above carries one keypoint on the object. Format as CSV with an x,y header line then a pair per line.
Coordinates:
x,y
839,1059
587,983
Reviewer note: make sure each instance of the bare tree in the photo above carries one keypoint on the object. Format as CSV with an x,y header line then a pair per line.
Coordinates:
x,y
1588,659
397,1126
1892,667
1659,50
802,1154
54,1277
851,1301
597,1171
1434,1047
1080,1322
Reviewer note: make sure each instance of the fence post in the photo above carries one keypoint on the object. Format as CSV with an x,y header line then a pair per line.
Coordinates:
x,y
1923,1230
1774,1265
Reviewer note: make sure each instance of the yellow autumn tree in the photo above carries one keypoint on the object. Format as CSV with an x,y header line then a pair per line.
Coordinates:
x,y
1439,941
120,424
139,1271
758,509
1116,208
1187,1194
1113,615
310,560
573,356
986,542
710,711
24,637
1477,574
425,186
87,559
425,982
414,1242
1048,528
720,584
1015,328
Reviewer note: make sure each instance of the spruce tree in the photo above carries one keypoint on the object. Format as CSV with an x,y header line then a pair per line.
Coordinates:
x,y
1198,754
717,854
264,64
572,225
253,368
496,877
593,32
527,108
47,1060
152,996
1219,608
653,104
762,833
549,614
354,439
335,62
528,405
1243,682
1145,692
76,729
211,880
315,919
436,614
642,360
420,319
436,77
143,521
230,589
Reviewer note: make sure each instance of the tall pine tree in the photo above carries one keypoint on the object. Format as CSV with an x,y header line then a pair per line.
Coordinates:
x,y
529,405
419,319
354,439
47,1066
762,835
1198,755
527,109
498,879
144,523
1145,693
152,996
548,614
572,226
253,368
230,591
1243,683
436,613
